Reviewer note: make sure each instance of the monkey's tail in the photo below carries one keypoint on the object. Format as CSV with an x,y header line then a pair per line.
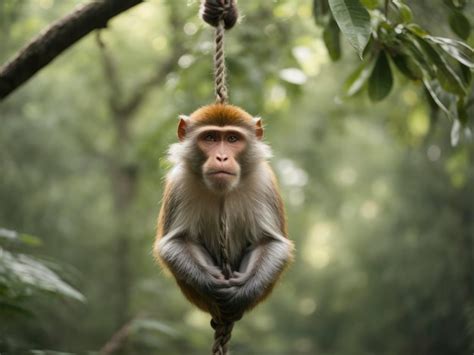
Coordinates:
x,y
222,335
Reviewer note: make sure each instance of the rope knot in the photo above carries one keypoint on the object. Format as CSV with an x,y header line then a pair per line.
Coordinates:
x,y
213,11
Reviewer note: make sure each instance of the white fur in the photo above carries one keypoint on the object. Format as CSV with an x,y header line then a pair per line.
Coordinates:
x,y
249,215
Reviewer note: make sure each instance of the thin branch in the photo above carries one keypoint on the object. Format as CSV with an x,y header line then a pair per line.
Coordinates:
x,y
118,339
125,109
56,38
110,72
143,89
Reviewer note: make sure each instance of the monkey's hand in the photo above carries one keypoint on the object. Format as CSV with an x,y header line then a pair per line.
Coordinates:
x,y
258,272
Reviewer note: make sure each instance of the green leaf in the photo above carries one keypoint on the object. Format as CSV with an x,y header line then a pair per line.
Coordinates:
x,y
462,112
444,73
30,271
417,30
370,4
30,240
13,236
466,74
460,24
320,12
457,49
331,37
410,44
433,105
369,48
444,100
381,79
354,21
405,12
457,129
455,133
358,78
407,66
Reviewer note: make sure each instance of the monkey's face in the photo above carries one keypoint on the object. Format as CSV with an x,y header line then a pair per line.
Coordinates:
x,y
221,147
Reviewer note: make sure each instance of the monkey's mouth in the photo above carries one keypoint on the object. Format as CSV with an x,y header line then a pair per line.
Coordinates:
x,y
221,173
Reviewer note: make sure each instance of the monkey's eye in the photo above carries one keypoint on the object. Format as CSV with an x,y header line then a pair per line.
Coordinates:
x,y
210,137
232,139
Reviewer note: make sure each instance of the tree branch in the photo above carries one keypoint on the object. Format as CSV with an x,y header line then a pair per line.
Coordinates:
x,y
124,108
56,38
118,339
162,69
143,89
110,72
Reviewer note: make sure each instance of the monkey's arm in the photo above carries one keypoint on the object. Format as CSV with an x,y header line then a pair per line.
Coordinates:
x,y
258,273
189,262
261,266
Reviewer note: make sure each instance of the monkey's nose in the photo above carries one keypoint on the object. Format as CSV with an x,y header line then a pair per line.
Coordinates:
x,y
221,157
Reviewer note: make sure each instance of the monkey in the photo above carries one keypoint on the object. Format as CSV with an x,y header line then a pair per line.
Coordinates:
x,y
220,166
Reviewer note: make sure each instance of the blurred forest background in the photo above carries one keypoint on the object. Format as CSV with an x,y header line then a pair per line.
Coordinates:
x,y
380,204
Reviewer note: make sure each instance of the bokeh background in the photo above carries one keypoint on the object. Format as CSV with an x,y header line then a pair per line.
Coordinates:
x,y
380,205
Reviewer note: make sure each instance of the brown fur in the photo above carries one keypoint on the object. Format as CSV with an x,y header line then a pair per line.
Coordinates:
x,y
263,186
221,115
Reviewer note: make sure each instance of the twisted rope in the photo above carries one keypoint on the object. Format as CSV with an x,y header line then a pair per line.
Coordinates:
x,y
223,15
222,96
222,326
222,335
224,243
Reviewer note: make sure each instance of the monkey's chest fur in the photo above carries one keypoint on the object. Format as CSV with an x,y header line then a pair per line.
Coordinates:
x,y
243,214
239,224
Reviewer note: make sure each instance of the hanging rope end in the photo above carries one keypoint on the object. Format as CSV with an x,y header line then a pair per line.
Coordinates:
x,y
213,11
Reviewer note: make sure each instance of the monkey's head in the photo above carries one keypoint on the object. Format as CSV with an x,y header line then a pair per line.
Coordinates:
x,y
220,144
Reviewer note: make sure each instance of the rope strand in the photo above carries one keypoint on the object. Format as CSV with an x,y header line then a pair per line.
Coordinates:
x,y
222,96
222,335
224,242
222,327
223,15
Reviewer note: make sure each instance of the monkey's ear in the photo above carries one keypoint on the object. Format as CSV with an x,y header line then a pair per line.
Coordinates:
x,y
258,128
183,123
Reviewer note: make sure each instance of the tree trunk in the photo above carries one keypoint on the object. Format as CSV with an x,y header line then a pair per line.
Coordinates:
x,y
124,181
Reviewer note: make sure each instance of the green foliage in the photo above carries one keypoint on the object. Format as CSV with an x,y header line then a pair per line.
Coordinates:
x,y
356,81
23,277
21,274
460,24
381,79
354,22
331,37
417,55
